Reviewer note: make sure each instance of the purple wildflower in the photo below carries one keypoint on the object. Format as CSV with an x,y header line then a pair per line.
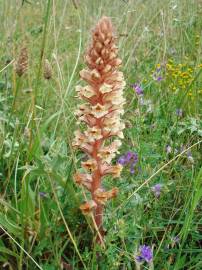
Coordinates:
x,y
141,100
156,189
138,89
182,148
122,160
156,76
130,158
146,254
175,239
172,51
132,169
189,154
159,78
190,157
168,149
179,112
42,194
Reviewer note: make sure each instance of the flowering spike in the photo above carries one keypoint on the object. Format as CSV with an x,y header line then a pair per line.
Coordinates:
x,y
22,62
100,111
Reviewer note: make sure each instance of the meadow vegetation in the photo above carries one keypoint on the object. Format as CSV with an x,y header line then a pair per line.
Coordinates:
x,y
155,222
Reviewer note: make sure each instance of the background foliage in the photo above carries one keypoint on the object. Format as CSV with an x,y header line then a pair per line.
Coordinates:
x,y
41,226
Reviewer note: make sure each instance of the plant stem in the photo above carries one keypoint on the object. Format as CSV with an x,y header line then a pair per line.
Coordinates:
x,y
95,185
46,19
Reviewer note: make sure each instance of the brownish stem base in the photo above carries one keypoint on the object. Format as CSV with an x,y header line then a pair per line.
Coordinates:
x,y
98,221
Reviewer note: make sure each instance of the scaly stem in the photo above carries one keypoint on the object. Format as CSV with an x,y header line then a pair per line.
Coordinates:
x,y
95,185
99,210
98,219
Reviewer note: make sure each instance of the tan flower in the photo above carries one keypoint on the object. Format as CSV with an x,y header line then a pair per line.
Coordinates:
x,y
107,68
103,196
115,98
88,91
88,207
119,134
86,75
105,88
95,74
110,122
99,110
99,61
89,165
98,46
115,170
83,109
115,77
113,127
81,142
112,55
116,144
79,138
83,179
117,129
93,134
116,62
107,153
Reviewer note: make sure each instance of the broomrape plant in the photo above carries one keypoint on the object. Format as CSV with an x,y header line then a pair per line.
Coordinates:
x,y
101,112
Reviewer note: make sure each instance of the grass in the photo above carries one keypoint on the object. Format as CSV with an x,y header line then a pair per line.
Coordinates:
x,y
41,226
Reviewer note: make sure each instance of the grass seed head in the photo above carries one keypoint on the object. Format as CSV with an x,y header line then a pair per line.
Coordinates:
x,y
22,62
47,72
